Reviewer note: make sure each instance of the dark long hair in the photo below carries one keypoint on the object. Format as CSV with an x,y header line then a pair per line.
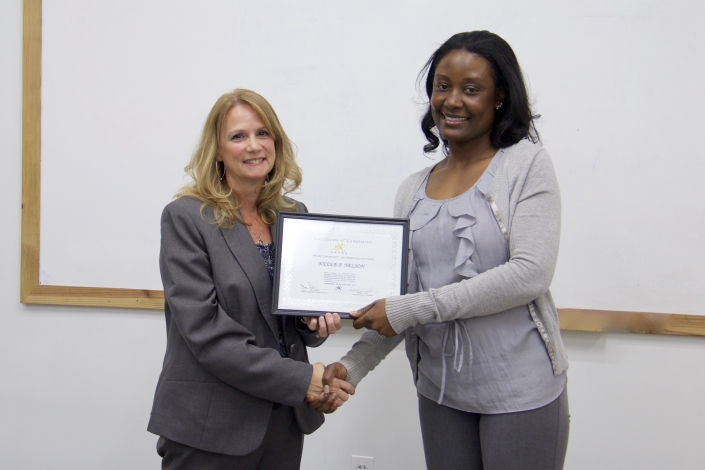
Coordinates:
x,y
514,121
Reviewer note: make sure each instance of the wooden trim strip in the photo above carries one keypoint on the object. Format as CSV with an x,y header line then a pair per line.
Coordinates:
x,y
31,292
571,319
96,297
611,321
31,141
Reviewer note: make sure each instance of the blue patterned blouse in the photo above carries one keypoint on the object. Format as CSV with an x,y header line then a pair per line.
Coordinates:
x,y
267,252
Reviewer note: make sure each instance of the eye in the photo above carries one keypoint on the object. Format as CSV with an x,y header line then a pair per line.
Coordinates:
x,y
237,136
471,90
263,133
442,86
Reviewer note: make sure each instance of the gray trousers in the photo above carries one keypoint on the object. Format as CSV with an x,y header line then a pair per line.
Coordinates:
x,y
526,440
280,449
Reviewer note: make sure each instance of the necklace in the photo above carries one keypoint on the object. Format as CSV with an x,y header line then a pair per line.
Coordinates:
x,y
259,239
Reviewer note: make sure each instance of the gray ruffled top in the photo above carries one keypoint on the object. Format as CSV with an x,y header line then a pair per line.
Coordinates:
x,y
492,364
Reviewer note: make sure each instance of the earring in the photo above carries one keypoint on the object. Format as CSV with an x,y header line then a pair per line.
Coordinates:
x,y
499,105
217,172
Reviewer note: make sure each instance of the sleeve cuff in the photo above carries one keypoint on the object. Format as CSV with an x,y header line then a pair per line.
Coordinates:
x,y
355,375
405,311
366,354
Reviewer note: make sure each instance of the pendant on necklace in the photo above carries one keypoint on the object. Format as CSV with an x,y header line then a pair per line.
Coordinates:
x,y
259,242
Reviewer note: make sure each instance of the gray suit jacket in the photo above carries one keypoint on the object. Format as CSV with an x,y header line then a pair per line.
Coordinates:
x,y
222,369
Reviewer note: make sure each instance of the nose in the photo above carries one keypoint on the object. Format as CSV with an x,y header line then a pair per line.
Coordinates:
x,y
253,144
453,100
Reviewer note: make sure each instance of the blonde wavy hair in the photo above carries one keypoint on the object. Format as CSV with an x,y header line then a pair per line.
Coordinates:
x,y
207,185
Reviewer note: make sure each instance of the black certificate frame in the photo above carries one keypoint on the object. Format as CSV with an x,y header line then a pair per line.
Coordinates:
x,y
279,236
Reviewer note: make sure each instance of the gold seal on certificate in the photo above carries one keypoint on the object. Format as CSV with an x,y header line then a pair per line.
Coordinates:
x,y
326,263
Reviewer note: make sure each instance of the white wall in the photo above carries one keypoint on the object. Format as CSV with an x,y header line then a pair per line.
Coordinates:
x,y
76,384
127,87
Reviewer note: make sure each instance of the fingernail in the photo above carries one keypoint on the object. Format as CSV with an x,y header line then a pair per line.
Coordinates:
x,y
326,389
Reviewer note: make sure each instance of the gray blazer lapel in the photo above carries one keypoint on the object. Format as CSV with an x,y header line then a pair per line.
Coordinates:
x,y
244,250
274,228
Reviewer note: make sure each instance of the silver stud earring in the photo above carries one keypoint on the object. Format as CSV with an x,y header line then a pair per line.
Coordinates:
x,y
499,105
217,171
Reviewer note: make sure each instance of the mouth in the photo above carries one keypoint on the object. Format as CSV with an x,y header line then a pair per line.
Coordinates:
x,y
452,120
254,161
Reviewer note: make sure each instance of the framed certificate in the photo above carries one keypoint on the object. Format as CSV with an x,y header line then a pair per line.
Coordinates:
x,y
327,263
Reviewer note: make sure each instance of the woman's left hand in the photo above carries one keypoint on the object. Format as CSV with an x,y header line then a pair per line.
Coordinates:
x,y
326,324
374,317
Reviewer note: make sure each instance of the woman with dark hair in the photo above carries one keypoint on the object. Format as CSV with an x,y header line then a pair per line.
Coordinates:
x,y
481,329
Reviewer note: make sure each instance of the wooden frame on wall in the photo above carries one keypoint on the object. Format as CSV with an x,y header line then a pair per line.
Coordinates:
x,y
31,292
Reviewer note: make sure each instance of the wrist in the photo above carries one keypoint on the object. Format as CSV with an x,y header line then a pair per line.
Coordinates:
x,y
315,385
341,371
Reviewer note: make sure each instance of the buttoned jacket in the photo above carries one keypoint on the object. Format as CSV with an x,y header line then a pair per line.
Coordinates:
x,y
223,372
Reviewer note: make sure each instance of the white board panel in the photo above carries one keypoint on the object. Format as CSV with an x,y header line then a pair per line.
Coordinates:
x,y
126,87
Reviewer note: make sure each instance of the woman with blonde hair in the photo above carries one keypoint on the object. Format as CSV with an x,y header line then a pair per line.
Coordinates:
x,y
234,381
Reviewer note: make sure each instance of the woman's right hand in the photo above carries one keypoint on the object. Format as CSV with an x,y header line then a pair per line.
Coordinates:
x,y
324,325
315,386
374,317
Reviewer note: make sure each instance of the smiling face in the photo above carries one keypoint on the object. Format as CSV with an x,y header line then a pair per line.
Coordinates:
x,y
246,148
463,99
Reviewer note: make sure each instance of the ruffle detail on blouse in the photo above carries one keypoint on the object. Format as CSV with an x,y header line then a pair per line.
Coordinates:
x,y
462,210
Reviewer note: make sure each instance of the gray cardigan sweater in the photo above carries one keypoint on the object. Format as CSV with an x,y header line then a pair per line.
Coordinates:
x,y
525,200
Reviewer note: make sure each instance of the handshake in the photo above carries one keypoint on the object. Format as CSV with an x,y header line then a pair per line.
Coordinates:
x,y
328,389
